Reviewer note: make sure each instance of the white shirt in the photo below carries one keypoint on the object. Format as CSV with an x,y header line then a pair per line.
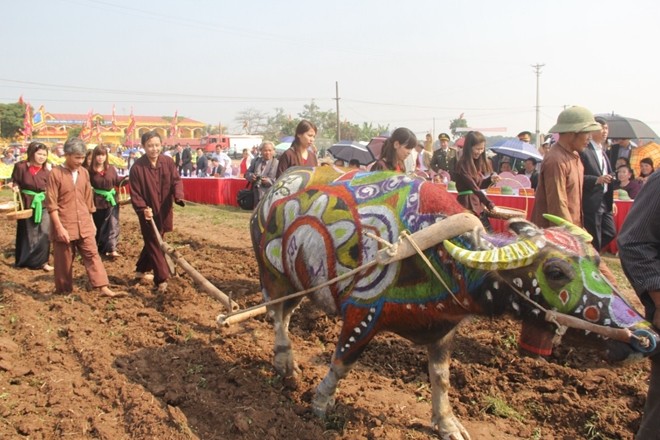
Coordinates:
x,y
601,162
224,161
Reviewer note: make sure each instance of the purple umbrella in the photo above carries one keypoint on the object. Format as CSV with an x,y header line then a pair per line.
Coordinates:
x,y
516,149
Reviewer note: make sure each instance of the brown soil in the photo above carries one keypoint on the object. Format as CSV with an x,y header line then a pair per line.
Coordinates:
x,y
158,367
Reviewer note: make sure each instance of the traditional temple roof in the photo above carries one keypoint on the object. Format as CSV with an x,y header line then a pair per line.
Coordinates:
x,y
77,118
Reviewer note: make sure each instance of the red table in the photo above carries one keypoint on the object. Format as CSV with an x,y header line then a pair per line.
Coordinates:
x,y
622,210
527,203
212,190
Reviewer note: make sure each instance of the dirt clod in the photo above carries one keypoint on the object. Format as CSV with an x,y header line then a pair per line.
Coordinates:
x,y
156,366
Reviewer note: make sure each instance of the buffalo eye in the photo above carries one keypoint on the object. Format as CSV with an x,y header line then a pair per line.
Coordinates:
x,y
555,274
558,272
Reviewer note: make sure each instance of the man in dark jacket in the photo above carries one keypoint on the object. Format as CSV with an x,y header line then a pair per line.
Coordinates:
x,y
202,164
597,195
444,158
639,248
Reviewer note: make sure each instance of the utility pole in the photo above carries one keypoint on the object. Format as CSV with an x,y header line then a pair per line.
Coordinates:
x,y
537,70
337,99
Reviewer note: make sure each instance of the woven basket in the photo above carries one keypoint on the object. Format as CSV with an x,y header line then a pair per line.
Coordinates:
x,y
19,212
505,212
124,197
7,205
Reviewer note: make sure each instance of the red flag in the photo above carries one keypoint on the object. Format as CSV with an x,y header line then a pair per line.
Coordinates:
x,y
131,125
174,126
98,131
27,122
20,100
86,132
114,118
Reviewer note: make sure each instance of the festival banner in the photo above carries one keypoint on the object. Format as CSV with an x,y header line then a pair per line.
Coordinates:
x,y
39,119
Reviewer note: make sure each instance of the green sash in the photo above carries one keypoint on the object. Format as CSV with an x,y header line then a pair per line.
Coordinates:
x,y
37,203
109,195
466,193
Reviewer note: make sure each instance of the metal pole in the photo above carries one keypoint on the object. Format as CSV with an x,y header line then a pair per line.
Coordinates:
x,y
537,70
337,99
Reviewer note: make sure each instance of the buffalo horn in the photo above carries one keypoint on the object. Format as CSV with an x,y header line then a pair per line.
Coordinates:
x,y
573,229
512,256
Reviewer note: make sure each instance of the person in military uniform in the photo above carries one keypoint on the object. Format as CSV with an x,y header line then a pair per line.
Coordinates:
x,y
444,158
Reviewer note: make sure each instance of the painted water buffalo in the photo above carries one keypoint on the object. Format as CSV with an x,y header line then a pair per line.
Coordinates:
x,y
317,224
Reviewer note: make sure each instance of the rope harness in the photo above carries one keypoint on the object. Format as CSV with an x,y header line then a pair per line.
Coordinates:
x,y
563,322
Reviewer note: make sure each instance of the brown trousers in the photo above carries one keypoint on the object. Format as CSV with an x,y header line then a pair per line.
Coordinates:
x,y
63,256
151,257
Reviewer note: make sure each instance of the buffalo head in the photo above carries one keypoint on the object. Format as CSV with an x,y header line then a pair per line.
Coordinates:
x,y
556,270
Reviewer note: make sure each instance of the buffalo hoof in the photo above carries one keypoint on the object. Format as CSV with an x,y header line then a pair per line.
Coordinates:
x,y
450,428
285,365
321,404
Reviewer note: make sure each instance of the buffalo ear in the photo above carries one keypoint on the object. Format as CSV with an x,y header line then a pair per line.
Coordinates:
x,y
523,227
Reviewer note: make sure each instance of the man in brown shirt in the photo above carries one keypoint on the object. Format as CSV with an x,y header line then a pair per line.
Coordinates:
x,y
559,190
70,205
155,185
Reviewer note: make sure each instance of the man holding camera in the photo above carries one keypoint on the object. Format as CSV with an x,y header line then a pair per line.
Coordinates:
x,y
597,196
262,171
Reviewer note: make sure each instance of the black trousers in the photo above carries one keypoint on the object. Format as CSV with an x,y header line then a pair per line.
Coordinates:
x,y
650,430
600,225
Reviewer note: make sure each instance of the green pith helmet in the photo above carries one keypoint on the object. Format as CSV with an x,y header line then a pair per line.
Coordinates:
x,y
575,119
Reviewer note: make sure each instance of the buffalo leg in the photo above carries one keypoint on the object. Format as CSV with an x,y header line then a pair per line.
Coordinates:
x,y
283,361
356,333
443,419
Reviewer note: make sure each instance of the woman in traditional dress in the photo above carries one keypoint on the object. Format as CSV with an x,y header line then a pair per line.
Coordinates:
x,y
474,173
302,151
30,178
104,178
396,150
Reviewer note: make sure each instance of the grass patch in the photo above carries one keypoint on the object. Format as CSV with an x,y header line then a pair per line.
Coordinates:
x,y
499,407
227,216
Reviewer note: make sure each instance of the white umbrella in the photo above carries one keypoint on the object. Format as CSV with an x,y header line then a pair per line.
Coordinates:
x,y
282,147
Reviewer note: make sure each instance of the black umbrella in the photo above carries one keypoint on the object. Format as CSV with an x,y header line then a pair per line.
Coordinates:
x,y
621,127
348,151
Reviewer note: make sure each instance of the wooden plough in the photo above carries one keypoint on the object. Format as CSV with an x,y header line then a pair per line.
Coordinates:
x,y
173,256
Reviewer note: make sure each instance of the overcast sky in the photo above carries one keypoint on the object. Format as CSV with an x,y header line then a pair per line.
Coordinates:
x,y
412,63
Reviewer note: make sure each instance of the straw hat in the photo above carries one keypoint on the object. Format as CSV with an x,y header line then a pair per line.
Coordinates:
x,y
575,119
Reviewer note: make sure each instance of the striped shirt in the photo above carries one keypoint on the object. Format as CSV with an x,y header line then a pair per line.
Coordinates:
x,y
639,243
